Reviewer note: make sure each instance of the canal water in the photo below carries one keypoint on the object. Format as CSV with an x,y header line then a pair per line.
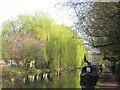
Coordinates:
x,y
66,79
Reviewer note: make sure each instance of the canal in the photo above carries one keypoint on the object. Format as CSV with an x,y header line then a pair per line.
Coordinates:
x,y
66,79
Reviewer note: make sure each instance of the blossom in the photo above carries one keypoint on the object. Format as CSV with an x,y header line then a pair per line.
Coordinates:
x,y
42,44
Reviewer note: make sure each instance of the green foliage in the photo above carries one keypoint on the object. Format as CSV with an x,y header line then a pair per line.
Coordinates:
x,y
103,62
59,44
99,24
107,17
5,53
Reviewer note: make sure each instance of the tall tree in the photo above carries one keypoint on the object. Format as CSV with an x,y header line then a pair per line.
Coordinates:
x,y
98,23
60,46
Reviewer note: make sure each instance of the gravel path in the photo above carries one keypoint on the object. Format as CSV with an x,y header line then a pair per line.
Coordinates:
x,y
107,80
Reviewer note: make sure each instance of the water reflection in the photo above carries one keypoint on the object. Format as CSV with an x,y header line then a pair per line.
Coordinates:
x,y
69,79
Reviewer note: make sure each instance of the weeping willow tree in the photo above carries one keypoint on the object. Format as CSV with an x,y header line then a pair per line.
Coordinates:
x,y
62,46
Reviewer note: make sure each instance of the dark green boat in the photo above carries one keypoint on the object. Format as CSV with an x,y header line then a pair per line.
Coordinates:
x,y
89,75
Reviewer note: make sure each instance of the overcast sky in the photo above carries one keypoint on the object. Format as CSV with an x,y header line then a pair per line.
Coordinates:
x,y
12,8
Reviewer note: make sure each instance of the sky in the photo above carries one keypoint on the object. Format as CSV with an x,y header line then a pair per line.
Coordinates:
x,y
12,8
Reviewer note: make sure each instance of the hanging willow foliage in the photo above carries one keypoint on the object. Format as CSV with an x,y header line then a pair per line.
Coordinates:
x,y
62,46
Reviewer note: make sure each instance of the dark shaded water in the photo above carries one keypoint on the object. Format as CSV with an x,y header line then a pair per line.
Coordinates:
x,y
69,79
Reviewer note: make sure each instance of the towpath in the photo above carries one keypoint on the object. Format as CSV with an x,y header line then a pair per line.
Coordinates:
x,y
107,81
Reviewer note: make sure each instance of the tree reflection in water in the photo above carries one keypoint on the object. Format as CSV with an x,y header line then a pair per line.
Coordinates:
x,y
69,79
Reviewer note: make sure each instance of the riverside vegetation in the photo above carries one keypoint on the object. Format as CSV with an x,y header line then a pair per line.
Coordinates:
x,y
37,38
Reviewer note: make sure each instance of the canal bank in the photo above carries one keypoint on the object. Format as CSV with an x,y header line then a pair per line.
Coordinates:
x,y
107,80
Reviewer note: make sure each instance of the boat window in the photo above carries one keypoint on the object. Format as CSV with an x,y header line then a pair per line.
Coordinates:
x,y
88,69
